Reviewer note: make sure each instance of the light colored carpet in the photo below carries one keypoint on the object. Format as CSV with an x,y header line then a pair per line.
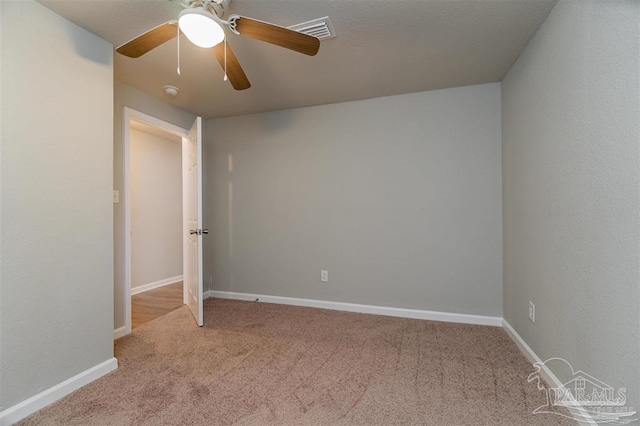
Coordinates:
x,y
263,364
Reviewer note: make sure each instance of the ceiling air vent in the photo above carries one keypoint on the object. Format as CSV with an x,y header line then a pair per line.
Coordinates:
x,y
320,28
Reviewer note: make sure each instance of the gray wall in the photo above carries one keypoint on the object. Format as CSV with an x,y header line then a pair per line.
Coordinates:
x,y
571,117
399,198
56,309
133,98
156,208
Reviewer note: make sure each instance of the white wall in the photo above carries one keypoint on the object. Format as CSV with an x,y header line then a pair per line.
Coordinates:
x,y
56,263
398,197
156,208
133,98
571,134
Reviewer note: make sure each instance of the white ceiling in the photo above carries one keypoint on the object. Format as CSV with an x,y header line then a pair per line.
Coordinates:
x,y
383,48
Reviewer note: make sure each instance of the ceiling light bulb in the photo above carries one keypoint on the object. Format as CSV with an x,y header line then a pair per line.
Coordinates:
x,y
200,28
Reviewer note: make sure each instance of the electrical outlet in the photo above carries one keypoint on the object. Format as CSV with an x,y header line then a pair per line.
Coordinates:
x,y
324,276
532,312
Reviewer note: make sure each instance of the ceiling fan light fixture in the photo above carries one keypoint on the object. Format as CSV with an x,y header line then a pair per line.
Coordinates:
x,y
200,28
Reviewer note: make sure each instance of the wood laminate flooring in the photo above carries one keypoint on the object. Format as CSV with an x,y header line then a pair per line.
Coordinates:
x,y
155,303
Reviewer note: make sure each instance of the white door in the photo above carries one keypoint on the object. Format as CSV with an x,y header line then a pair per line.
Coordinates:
x,y
192,188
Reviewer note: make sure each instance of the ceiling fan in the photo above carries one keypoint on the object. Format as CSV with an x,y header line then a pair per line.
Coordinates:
x,y
202,23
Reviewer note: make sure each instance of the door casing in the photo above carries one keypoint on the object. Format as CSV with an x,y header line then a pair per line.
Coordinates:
x,y
125,198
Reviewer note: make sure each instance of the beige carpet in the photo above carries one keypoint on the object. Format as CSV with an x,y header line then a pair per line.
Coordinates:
x,y
263,364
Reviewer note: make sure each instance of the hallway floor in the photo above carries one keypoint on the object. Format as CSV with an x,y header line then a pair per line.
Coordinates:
x,y
155,303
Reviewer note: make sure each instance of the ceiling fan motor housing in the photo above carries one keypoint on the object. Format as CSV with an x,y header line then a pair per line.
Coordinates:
x,y
217,7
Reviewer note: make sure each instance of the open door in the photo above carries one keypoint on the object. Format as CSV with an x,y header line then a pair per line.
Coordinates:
x,y
192,196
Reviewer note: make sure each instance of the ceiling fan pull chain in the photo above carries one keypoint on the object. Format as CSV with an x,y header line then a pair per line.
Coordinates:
x,y
178,49
225,60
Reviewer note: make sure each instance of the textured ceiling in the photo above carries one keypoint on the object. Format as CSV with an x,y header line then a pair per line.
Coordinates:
x,y
383,48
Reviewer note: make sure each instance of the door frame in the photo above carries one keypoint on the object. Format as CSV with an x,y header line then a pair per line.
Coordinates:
x,y
132,114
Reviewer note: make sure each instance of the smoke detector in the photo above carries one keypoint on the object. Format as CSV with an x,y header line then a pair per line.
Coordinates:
x,y
171,90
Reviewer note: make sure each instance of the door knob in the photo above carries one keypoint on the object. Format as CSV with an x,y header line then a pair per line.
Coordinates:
x,y
205,231
193,231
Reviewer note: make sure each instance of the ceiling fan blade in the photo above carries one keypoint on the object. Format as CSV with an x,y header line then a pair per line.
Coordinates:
x,y
149,40
235,73
279,36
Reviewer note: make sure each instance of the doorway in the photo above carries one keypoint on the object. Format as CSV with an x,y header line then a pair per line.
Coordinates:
x,y
152,192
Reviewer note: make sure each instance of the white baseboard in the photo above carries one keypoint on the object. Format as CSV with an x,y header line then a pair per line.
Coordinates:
x,y
146,287
23,409
119,332
531,356
578,413
363,309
